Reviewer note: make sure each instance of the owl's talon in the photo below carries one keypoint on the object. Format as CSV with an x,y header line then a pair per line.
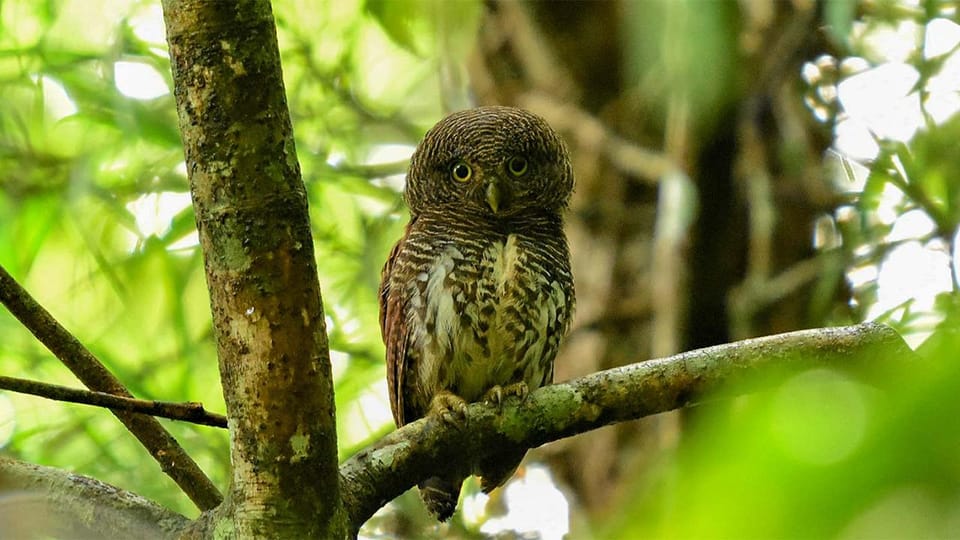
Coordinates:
x,y
496,393
451,408
494,396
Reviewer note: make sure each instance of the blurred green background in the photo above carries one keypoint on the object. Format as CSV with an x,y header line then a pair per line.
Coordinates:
x,y
820,140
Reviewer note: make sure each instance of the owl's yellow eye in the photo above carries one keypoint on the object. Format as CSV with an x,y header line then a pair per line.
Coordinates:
x,y
517,165
461,172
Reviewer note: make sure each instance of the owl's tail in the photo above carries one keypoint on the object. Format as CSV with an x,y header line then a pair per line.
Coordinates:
x,y
440,496
496,470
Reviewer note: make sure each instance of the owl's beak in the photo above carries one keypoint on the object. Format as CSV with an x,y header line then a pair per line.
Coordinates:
x,y
494,195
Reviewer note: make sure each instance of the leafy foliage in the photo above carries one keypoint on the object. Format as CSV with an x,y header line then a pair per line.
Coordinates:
x,y
897,97
823,454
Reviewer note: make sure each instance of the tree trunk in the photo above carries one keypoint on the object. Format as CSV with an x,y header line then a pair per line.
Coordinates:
x,y
251,209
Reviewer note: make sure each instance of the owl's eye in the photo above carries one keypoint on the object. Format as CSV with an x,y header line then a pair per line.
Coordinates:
x,y
461,172
517,165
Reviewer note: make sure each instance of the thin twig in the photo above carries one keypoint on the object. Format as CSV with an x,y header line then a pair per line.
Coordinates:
x,y
589,132
538,62
188,412
173,460
374,170
757,293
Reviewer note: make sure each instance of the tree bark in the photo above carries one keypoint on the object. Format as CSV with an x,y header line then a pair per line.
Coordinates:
x,y
251,210
43,502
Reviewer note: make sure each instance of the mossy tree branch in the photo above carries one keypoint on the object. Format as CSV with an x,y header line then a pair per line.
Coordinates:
x,y
44,502
430,446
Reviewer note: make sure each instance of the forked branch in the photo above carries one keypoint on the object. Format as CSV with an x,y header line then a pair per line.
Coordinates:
x,y
174,461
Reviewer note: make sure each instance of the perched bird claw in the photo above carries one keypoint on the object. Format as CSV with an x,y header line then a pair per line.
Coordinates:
x,y
451,408
496,393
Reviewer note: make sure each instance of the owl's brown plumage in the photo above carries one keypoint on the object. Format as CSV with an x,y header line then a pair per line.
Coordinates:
x,y
478,292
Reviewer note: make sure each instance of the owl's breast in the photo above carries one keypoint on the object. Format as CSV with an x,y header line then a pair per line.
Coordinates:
x,y
493,312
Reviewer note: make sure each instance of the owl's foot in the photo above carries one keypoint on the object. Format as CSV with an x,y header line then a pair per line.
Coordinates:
x,y
496,394
450,407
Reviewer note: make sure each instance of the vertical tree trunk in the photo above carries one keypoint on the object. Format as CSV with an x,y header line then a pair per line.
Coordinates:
x,y
254,230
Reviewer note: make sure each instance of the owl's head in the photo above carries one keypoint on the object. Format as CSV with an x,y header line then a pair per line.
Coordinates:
x,y
492,161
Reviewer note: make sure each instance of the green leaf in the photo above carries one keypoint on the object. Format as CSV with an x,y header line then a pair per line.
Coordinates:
x,y
840,15
398,18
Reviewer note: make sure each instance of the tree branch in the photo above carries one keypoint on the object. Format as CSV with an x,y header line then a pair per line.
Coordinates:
x,y
429,446
173,460
187,412
589,132
43,502
374,170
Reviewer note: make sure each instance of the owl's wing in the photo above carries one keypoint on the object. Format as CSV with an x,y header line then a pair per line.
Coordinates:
x,y
393,329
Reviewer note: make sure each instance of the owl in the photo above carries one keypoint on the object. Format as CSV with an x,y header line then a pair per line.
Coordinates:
x,y
477,294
